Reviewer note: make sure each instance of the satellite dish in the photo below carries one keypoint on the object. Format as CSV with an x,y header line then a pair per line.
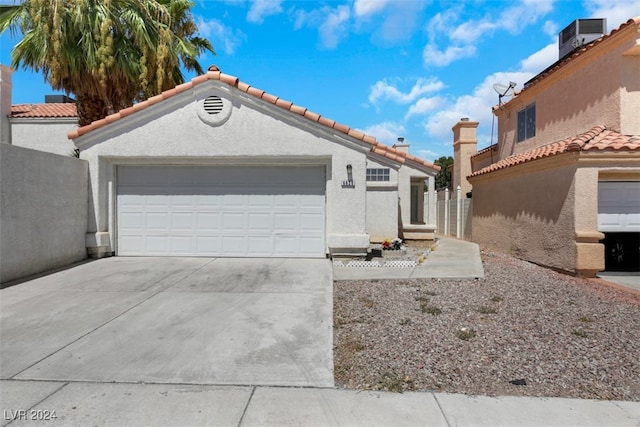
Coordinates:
x,y
503,90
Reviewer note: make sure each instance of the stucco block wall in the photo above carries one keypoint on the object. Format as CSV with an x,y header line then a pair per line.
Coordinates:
x,y
43,136
528,213
43,211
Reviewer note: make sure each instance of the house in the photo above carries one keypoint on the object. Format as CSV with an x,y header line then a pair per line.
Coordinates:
x,y
216,167
41,126
562,186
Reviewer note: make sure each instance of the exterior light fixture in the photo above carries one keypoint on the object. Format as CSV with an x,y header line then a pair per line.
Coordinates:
x,y
348,183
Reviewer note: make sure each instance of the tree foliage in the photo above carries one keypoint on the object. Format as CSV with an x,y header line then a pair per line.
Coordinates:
x,y
108,53
443,178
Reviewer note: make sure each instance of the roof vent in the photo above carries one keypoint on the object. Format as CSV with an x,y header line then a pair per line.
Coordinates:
x,y
579,33
213,105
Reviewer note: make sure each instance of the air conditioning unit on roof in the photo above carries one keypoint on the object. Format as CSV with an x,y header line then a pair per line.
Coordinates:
x,y
579,33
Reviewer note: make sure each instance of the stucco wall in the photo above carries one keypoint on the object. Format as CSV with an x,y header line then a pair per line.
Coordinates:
x,y
528,211
49,136
382,212
254,133
43,211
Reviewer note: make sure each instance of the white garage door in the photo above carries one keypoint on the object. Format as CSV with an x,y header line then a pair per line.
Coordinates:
x,y
255,211
618,206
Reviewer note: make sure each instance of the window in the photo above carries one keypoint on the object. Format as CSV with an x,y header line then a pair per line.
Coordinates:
x,y
377,174
527,123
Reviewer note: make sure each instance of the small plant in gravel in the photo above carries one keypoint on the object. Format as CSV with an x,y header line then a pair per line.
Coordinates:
x,y
430,309
405,321
354,346
430,293
392,381
497,298
422,299
580,333
466,333
483,309
587,319
368,302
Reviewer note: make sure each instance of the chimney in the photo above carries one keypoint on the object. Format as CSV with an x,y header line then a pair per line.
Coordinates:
x,y
5,104
465,145
401,146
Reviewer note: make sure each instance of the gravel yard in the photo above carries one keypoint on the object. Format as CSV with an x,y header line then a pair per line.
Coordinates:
x,y
523,330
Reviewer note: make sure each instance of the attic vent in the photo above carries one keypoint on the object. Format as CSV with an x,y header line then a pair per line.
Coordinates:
x,y
213,105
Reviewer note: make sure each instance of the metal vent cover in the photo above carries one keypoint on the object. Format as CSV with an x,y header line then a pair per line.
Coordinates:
x,y
213,105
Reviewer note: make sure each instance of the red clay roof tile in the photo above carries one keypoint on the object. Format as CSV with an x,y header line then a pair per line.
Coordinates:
x,y
598,138
215,74
47,110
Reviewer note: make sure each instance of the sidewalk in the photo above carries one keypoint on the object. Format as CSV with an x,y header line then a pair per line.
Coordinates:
x,y
120,404
450,259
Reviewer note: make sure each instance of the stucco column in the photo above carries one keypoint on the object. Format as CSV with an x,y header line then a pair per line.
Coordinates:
x,y
589,251
465,144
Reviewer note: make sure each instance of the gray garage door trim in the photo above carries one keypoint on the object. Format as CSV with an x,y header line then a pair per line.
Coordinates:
x,y
233,211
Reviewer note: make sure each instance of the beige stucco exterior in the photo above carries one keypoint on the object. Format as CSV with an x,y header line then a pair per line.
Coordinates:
x,y
598,87
465,144
545,210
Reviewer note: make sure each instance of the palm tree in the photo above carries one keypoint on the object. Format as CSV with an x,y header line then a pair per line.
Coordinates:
x,y
108,53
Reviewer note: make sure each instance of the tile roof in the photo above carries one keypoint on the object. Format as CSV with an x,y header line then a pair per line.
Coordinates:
x,y
562,62
493,147
215,74
47,110
597,139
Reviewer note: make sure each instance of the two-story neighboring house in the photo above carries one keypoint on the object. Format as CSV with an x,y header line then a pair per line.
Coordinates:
x,y
562,188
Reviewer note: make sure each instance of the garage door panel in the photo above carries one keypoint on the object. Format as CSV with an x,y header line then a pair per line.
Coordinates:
x,y
260,222
283,222
208,221
157,245
233,245
157,221
221,211
182,245
619,206
183,221
233,221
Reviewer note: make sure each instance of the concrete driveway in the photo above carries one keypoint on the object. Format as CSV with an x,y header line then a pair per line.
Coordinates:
x,y
173,320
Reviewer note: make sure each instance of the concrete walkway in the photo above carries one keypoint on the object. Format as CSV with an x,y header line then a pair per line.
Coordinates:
x,y
119,404
450,259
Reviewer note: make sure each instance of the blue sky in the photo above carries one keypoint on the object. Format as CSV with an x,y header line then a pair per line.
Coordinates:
x,y
390,68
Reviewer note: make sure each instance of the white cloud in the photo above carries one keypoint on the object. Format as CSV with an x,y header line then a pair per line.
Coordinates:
x,y
462,37
616,11
476,106
383,90
260,9
540,59
386,132
222,37
432,56
550,28
333,29
368,7
424,106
